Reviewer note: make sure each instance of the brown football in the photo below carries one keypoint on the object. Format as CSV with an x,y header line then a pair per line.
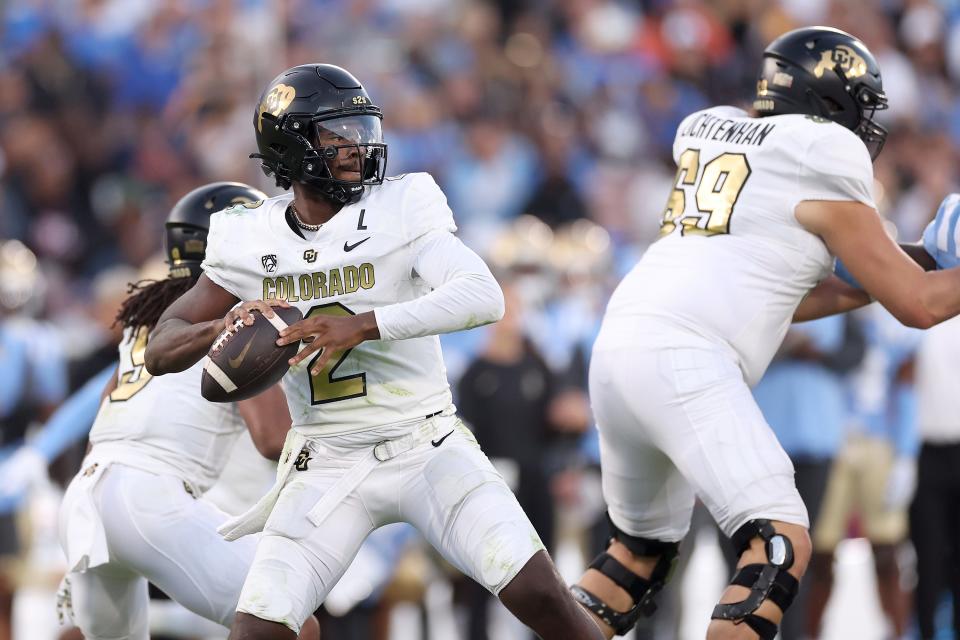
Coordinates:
x,y
246,362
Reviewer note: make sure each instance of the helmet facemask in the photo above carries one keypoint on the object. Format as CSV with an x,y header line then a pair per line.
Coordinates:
x,y
868,101
337,154
346,154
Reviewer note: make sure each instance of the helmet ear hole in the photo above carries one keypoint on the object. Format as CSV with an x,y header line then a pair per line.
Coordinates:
x,y
832,104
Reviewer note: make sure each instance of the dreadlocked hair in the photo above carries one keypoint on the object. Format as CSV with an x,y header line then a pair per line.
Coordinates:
x,y
148,300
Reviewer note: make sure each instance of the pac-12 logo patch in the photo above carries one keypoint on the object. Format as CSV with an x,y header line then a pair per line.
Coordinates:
x,y
269,262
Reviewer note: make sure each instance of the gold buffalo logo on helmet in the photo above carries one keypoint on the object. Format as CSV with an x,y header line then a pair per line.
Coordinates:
x,y
275,102
850,62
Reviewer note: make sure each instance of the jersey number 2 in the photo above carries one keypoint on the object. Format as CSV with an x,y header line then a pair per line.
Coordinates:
x,y
715,194
324,387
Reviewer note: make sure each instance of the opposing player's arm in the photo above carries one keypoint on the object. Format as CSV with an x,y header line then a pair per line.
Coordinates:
x,y
854,233
830,297
187,328
268,420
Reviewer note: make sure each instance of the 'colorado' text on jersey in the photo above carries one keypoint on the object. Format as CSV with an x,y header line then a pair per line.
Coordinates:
x,y
733,263
361,259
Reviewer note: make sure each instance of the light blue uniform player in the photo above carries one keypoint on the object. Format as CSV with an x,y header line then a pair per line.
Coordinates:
x,y
68,424
33,379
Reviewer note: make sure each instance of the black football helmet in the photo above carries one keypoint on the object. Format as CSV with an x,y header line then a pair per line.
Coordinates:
x,y
825,72
189,220
314,118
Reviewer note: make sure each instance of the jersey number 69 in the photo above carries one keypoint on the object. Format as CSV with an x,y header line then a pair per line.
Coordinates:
x,y
715,195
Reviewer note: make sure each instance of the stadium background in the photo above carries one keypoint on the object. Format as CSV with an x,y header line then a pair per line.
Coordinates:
x,y
549,126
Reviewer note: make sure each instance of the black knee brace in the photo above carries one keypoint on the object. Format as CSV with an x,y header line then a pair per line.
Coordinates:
x,y
765,581
640,589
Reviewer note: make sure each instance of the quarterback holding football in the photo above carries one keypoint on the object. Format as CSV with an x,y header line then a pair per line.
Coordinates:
x,y
373,265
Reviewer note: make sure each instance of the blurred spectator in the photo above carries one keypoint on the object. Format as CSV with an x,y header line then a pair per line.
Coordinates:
x,y
491,178
34,380
935,511
873,475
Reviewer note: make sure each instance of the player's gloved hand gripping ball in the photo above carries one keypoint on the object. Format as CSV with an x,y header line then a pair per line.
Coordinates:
x,y
245,360
941,238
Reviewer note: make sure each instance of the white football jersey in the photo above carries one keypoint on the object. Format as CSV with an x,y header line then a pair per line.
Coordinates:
x,y
361,259
732,262
162,424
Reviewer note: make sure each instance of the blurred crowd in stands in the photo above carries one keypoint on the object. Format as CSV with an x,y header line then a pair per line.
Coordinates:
x,y
549,125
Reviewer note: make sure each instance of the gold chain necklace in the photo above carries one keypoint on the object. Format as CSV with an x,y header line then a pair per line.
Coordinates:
x,y
300,223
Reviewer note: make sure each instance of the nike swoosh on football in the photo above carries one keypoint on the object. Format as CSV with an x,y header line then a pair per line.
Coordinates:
x,y
439,442
350,247
236,362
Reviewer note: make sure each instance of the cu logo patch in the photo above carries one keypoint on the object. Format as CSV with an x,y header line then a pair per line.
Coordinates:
x,y
849,61
310,255
302,459
269,262
275,102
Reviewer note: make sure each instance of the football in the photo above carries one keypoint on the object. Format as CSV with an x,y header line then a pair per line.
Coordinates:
x,y
247,361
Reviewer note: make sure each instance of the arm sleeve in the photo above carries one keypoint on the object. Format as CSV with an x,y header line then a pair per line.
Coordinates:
x,y
73,419
836,167
215,265
465,293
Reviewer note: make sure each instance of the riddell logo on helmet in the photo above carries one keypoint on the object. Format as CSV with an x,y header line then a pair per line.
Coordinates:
x,y
275,102
849,61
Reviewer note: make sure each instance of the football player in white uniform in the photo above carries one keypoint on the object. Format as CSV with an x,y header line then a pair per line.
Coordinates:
x,y
134,512
761,206
377,272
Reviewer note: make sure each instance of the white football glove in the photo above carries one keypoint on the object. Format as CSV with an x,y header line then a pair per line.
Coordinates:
x,y
901,483
941,238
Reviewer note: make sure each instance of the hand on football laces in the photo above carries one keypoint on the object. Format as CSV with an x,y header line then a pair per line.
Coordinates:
x,y
243,313
331,334
941,238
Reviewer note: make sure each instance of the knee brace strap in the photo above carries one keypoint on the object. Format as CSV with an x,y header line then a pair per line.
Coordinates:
x,y
641,546
765,581
640,589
